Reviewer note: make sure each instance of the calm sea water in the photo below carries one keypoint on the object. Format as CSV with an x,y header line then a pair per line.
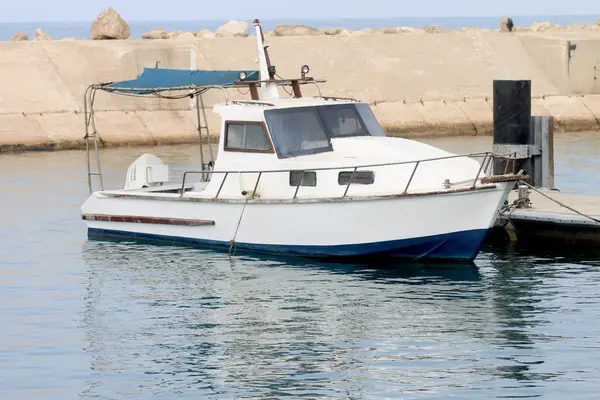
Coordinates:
x,y
81,30
122,320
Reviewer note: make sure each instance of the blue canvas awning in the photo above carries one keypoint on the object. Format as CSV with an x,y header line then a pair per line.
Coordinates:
x,y
154,80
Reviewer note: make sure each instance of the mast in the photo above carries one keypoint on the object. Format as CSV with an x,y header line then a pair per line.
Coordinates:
x,y
267,71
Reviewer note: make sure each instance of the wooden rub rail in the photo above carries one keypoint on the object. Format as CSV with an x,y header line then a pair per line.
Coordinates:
x,y
147,220
504,178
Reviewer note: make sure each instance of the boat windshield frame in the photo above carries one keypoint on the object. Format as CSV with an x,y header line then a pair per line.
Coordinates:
x,y
283,142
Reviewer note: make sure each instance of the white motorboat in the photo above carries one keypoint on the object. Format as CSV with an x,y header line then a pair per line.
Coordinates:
x,y
307,176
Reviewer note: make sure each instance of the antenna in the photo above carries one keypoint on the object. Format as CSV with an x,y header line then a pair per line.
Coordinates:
x,y
267,71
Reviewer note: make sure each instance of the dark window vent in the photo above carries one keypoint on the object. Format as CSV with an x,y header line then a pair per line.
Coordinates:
x,y
359,178
308,179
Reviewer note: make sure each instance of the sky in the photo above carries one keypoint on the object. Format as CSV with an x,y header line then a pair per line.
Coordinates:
x,y
154,10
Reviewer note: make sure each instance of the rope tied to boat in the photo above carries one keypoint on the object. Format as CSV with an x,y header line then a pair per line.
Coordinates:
x,y
513,206
232,241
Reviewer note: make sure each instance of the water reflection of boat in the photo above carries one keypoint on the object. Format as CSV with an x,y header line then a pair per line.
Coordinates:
x,y
384,270
211,323
306,176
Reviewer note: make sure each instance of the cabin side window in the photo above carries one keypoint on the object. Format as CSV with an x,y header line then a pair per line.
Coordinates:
x,y
343,121
309,178
359,178
369,119
247,136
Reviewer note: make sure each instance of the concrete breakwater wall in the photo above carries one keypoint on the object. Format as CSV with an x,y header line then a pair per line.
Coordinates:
x,y
418,84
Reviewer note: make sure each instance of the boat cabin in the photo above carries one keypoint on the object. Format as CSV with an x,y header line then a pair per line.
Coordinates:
x,y
286,129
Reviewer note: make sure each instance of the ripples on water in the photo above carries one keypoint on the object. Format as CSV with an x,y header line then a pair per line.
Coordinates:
x,y
113,320
181,321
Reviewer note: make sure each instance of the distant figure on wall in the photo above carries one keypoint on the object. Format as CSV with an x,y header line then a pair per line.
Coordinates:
x,y
509,24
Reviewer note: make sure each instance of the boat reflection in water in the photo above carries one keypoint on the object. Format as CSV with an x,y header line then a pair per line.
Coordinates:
x,y
196,322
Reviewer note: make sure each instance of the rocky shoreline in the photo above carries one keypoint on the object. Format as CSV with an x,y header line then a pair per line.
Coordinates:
x,y
109,25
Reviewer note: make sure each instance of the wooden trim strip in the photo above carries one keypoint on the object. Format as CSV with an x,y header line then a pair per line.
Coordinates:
x,y
504,178
146,220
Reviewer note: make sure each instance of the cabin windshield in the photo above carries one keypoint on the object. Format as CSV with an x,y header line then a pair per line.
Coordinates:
x,y
297,131
309,130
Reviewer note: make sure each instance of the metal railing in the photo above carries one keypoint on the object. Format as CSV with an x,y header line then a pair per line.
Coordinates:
x,y
488,158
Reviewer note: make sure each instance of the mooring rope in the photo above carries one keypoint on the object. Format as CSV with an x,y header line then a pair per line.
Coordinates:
x,y
562,204
232,241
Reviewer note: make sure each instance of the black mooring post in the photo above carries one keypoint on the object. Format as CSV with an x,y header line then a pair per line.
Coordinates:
x,y
512,125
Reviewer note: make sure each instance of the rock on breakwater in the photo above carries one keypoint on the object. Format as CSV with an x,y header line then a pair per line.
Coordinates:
x,y
110,25
418,84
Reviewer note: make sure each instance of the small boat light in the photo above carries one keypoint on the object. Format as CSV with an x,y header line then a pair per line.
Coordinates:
x,y
243,75
305,70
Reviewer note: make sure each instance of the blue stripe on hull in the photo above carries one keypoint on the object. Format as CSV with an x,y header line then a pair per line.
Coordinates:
x,y
463,245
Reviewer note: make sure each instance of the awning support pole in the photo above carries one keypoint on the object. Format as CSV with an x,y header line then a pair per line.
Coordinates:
x,y
93,115
87,138
199,128
212,158
88,111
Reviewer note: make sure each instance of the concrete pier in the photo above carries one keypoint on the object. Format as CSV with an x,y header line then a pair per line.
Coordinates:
x,y
419,84
546,221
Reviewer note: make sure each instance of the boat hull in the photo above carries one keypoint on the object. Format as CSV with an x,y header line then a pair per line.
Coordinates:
x,y
463,245
450,226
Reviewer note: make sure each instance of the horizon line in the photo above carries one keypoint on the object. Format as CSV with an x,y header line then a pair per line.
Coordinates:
x,y
315,18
